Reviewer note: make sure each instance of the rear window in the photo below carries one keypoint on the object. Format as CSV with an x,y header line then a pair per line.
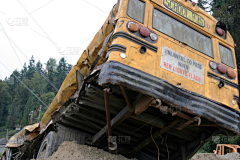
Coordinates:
x,y
136,10
226,56
181,32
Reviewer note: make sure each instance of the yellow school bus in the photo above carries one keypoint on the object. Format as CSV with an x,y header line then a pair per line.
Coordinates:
x,y
182,46
174,51
163,74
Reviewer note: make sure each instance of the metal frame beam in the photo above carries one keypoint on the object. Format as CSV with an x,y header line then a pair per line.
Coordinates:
x,y
155,135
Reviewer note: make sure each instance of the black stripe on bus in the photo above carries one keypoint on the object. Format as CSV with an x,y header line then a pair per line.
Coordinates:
x,y
214,76
117,47
136,40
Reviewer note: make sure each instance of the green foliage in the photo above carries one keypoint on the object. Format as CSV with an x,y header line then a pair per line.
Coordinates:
x,y
211,145
17,102
204,4
5,100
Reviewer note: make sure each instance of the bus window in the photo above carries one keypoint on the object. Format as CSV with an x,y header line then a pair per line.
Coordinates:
x,y
182,32
136,10
226,56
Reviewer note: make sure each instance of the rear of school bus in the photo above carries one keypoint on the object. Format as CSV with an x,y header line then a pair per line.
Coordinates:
x,y
175,52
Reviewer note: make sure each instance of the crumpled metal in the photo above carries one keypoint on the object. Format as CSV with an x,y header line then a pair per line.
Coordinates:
x,y
28,133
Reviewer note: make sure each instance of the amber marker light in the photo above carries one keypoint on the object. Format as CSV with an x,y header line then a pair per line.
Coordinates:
x,y
231,73
133,27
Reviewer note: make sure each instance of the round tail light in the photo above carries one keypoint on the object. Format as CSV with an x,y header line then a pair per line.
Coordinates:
x,y
144,32
219,31
222,69
213,65
235,45
231,73
194,3
153,36
133,27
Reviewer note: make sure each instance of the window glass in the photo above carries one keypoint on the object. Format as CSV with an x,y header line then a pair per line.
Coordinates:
x,y
181,32
226,56
136,10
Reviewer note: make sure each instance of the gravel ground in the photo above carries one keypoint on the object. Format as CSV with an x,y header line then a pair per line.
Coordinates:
x,y
74,151
212,156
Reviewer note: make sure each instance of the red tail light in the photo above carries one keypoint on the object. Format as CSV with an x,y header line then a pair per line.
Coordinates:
x,y
235,45
222,69
144,32
219,31
194,3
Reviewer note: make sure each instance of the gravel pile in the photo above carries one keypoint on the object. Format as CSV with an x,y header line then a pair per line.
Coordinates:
x,y
74,151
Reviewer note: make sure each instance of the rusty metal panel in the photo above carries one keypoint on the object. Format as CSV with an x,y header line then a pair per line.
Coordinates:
x,y
119,74
182,65
28,133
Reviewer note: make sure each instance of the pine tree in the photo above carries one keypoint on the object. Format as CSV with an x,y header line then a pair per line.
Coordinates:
x,y
51,63
62,70
203,4
31,68
23,73
39,68
51,69
69,67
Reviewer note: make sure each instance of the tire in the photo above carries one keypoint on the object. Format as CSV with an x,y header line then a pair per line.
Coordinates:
x,y
47,146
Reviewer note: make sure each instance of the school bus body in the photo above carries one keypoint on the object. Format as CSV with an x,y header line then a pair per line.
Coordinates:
x,y
160,83
148,68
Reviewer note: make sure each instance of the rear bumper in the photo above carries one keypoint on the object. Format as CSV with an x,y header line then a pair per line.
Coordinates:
x,y
116,73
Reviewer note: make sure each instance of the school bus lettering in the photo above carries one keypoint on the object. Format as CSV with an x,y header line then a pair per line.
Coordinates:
x,y
183,11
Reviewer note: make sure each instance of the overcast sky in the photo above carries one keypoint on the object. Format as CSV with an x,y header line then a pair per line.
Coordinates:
x,y
38,28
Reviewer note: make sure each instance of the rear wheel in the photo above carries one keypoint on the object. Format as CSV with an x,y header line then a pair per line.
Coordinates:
x,y
47,146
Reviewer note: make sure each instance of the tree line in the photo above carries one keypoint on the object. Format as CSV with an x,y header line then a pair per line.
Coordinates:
x,y
17,102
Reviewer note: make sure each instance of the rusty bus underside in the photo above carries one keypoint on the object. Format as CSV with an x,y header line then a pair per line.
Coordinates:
x,y
140,122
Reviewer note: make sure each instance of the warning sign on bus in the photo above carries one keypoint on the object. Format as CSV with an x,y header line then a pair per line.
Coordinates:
x,y
182,65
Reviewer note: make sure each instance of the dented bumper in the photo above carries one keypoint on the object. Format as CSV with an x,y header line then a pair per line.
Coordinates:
x,y
116,73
